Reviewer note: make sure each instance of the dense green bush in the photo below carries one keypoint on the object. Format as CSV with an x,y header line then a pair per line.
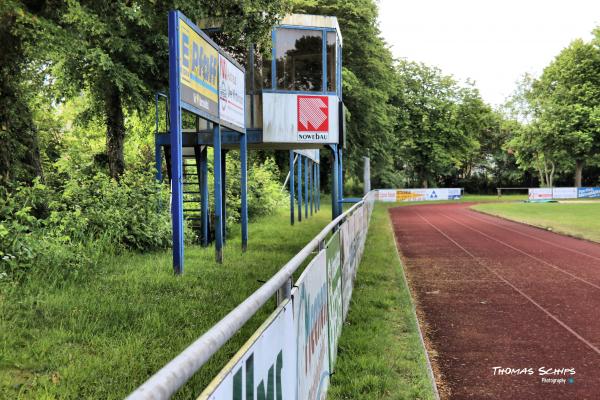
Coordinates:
x,y
73,222
81,214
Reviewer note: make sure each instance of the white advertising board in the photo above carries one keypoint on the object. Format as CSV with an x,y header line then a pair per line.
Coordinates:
x,y
232,94
312,154
564,193
346,235
266,364
392,195
295,118
540,194
334,291
386,195
311,324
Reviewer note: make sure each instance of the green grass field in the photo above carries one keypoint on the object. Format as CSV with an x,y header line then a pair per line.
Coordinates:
x,y
102,335
576,219
380,354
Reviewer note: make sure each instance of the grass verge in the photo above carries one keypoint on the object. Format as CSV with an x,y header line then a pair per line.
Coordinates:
x,y
580,220
103,334
380,354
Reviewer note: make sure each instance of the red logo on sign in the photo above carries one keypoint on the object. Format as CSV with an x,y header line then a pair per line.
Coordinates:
x,y
313,114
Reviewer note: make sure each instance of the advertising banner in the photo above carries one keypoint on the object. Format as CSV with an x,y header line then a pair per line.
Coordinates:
x,y
335,295
540,194
311,330
418,194
199,70
232,94
298,118
386,195
588,192
265,365
346,235
564,193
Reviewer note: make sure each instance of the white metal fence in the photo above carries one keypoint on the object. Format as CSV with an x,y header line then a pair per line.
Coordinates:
x,y
293,353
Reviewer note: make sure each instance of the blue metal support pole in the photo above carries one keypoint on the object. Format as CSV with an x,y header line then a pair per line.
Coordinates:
x,y
292,173
334,183
158,161
244,189
176,146
157,147
224,193
315,184
312,186
340,180
319,186
218,192
204,195
299,162
306,174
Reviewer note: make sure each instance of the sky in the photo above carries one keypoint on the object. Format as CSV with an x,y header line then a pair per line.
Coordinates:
x,y
493,42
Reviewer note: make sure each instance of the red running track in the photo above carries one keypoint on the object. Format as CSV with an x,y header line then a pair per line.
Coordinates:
x,y
494,293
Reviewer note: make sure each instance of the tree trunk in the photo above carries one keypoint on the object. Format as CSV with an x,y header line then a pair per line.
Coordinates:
x,y
578,172
424,183
115,133
33,157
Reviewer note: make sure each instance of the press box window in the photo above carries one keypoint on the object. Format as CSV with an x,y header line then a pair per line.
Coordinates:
x,y
331,61
299,56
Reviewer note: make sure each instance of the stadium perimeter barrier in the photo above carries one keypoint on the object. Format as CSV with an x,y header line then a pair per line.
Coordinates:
x,y
561,193
293,353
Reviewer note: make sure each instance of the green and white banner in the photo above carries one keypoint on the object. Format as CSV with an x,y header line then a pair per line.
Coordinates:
x,y
292,354
265,367
311,324
346,235
334,289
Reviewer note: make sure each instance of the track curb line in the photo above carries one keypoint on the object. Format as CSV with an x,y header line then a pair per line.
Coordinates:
x,y
414,310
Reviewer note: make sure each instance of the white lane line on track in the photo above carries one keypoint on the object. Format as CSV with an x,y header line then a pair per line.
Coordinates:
x,y
524,253
469,214
548,313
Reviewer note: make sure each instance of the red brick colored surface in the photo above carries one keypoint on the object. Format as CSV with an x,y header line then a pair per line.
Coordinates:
x,y
494,293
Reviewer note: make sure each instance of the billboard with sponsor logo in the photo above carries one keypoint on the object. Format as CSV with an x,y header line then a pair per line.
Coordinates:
x,y
311,317
564,193
348,257
297,118
231,95
199,69
265,365
588,192
540,193
393,195
211,83
334,291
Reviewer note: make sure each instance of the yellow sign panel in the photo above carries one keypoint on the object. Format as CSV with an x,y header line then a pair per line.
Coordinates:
x,y
402,195
199,63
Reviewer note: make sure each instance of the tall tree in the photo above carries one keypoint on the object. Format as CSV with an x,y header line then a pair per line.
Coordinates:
x,y
568,93
118,51
439,125
368,86
19,152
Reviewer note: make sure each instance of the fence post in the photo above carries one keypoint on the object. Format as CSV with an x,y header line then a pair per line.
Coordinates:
x,y
285,292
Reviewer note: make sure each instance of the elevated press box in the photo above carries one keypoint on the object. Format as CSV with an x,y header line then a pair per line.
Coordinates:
x,y
294,95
